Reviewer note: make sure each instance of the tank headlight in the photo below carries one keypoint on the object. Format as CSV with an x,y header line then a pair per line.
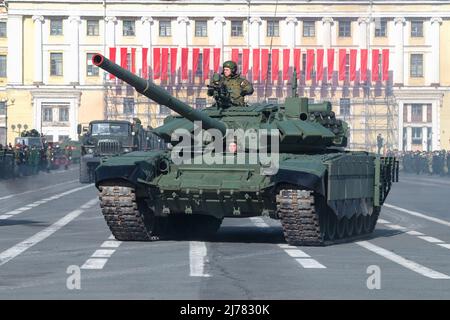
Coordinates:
x,y
90,150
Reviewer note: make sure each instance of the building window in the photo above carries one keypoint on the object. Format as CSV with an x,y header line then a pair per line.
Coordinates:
x,y
2,108
416,29
92,28
47,114
128,27
236,28
56,64
309,28
273,28
416,66
64,114
165,29
313,69
199,71
56,27
200,103
91,69
345,28
2,29
128,106
416,113
416,135
344,107
201,28
163,110
380,27
2,66
129,91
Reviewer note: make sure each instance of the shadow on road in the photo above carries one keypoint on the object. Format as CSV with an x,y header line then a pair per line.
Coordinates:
x,y
11,222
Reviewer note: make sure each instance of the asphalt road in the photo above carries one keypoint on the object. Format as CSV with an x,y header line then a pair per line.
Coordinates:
x,y
54,244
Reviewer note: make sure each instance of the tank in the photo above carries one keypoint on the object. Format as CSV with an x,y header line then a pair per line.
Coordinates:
x,y
321,192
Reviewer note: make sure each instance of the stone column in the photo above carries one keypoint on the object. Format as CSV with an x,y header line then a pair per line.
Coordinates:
x,y
327,22
146,34
110,31
364,32
38,21
408,138
255,24
435,49
182,31
399,23
219,23
15,49
291,23
74,56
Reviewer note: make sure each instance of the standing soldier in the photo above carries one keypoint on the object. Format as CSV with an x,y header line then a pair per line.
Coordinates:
x,y
49,156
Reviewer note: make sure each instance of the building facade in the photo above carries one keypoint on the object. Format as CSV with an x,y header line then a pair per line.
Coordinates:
x,y
403,92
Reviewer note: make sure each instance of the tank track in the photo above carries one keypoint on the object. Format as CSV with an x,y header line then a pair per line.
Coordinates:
x,y
302,225
125,220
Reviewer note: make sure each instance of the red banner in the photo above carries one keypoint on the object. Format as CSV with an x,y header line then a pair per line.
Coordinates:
x,y
309,63
286,58
112,57
353,54
173,61
206,52
133,60
342,60
264,63
123,58
255,64
330,63
275,63
375,63
156,63
320,53
164,63
144,63
385,54
297,60
363,69
245,61
235,55
184,63
216,59
195,54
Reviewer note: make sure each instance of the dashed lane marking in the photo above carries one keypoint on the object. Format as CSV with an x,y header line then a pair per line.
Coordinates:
x,y
21,247
411,265
430,239
95,263
310,264
36,190
382,221
415,233
198,257
111,244
418,214
100,257
444,245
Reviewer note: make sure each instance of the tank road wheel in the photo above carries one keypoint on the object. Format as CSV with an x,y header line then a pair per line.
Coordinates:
x,y
341,227
350,229
359,223
299,219
331,226
128,218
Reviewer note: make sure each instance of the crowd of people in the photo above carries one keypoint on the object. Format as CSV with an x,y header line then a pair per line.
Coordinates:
x,y
423,162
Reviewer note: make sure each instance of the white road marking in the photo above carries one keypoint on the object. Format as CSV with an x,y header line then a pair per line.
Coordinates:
x,y
431,239
197,258
296,253
286,246
36,190
420,215
103,253
21,247
382,221
310,264
94,263
395,227
444,245
5,216
411,265
40,202
259,222
111,244
111,237
415,233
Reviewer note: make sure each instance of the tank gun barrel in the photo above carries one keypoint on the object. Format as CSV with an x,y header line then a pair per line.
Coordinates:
x,y
157,94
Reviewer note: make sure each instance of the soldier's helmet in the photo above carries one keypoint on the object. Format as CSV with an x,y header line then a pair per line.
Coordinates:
x,y
230,64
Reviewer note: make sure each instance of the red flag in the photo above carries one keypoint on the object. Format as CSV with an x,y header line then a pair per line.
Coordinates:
x,y
206,63
184,63
297,61
375,61
156,63
133,60
353,53
342,57
264,63
195,54
275,63
123,58
235,55
385,54
286,56
173,61
216,59
330,63
144,63
245,61
164,63
363,69
309,63
320,53
255,64
112,57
